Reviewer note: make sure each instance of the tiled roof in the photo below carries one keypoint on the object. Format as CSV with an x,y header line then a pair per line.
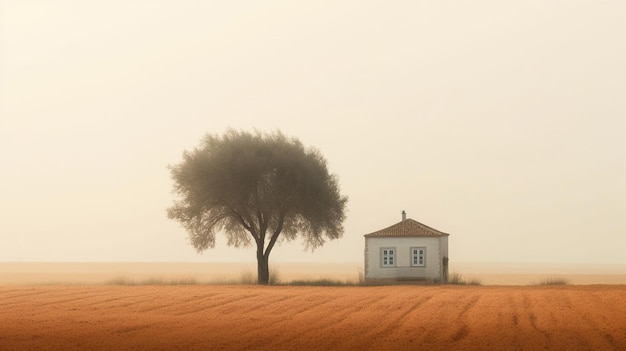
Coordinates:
x,y
406,228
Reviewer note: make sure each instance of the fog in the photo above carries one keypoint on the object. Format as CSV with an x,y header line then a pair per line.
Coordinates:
x,y
501,124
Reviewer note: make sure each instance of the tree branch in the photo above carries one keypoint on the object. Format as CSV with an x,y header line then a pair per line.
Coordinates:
x,y
248,227
262,222
276,233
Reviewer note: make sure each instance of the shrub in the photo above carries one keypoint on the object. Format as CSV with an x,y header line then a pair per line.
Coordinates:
x,y
554,281
360,277
120,279
274,278
456,278
247,278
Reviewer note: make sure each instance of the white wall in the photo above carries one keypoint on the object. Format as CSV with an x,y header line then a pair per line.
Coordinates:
x,y
373,264
444,246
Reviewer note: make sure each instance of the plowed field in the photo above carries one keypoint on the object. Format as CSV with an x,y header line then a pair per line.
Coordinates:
x,y
591,317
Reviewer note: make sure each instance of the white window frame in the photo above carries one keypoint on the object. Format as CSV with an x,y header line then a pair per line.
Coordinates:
x,y
418,259
388,257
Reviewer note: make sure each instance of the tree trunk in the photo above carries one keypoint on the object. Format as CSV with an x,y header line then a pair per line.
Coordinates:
x,y
263,272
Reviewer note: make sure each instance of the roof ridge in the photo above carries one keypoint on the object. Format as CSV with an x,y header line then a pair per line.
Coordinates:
x,y
407,228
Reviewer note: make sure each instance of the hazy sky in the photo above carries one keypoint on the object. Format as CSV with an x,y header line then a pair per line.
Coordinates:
x,y
502,123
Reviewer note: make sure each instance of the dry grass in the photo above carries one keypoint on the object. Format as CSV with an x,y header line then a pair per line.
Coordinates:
x,y
123,279
456,278
90,273
320,282
246,277
554,281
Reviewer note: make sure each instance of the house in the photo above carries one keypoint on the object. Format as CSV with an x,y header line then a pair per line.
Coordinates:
x,y
406,251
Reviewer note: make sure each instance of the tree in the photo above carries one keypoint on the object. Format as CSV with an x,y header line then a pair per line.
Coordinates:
x,y
254,187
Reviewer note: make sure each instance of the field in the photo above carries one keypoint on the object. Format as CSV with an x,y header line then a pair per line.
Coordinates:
x,y
210,317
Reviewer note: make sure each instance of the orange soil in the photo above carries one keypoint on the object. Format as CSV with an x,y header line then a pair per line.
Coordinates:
x,y
591,317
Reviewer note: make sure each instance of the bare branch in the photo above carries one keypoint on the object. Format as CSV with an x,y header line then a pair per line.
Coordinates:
x,y
247,226
276,233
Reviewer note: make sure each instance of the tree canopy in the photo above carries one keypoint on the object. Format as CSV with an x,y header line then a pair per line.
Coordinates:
x,y
254,187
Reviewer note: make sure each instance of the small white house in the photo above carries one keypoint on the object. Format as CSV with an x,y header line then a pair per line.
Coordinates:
x,y
406,251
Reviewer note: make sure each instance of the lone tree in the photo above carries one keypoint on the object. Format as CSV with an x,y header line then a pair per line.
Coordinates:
x,y
255,187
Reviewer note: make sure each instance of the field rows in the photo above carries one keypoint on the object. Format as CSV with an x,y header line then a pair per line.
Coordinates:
x,y
312,318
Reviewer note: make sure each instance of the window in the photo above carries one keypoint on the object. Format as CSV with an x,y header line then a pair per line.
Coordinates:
x,y
388,257
418,256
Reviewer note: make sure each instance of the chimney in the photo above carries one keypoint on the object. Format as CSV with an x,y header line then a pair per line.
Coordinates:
x,y
403,215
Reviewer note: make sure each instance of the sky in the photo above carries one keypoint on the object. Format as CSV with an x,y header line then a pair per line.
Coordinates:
x,y
501,123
